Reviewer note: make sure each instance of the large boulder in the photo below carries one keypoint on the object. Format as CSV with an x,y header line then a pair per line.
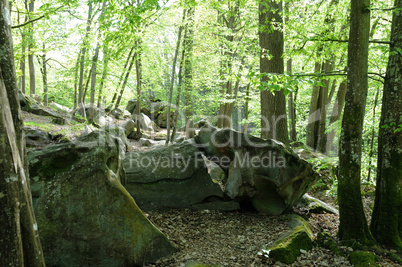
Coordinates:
x,y
36,137
171,177
261,172
85,216
100,117
145,122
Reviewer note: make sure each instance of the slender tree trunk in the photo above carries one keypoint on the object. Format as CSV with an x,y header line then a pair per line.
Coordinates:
x,y
44,61
291,107
123,86
231,22
336,114
138,68
245,126
323,107
179,86
188,73
104,73
93,84
19,242
386,224
32,85
81,94
353,225
313,113
123,74
173,76
273,107
23,60
93,70
373,131
76,80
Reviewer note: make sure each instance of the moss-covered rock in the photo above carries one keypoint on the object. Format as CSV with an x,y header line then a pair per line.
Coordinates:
x,y
197,264
287,248
325,240
85,216
363,258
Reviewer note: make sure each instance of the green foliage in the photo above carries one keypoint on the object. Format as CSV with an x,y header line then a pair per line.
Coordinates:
x,y
363,258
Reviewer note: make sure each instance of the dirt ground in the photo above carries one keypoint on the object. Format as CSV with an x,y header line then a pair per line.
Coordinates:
x,y
230,238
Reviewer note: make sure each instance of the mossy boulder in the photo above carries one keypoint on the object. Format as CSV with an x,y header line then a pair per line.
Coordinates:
x,y
363,258
85,216
287,248
262,172
173,177
325,240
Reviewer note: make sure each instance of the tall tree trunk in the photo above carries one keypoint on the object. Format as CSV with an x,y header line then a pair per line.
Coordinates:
x,y
44,69
188,73
231,22
123,74
19,242
93,84
323,107
291,107
32,85
353,224
336,114
247,98
273,107
77,65
138,69
176,52
179,86
373,132
23,60
82,61
123,86
93,69
386,224
314,115
104,73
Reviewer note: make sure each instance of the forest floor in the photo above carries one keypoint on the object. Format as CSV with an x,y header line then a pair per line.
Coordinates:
x,y
233,238
237,238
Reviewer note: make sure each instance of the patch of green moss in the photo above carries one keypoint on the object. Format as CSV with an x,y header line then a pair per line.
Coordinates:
x,y
287,249
325,240
363,258
47,167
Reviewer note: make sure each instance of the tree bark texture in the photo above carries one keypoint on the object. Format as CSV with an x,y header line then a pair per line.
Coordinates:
x,y
32,82
386,224
336,114
123,74
273,106
82,61
19,242
104,73
353,225
176,52
188,73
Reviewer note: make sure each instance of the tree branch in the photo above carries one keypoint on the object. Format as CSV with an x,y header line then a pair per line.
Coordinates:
x,y
56,62
339,41
33,20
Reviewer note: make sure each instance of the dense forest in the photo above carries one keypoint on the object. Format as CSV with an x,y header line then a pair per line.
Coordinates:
x,y
319,75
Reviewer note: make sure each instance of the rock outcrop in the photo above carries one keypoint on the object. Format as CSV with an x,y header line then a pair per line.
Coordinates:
x,y
172,177
261,172
85,216
289,246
